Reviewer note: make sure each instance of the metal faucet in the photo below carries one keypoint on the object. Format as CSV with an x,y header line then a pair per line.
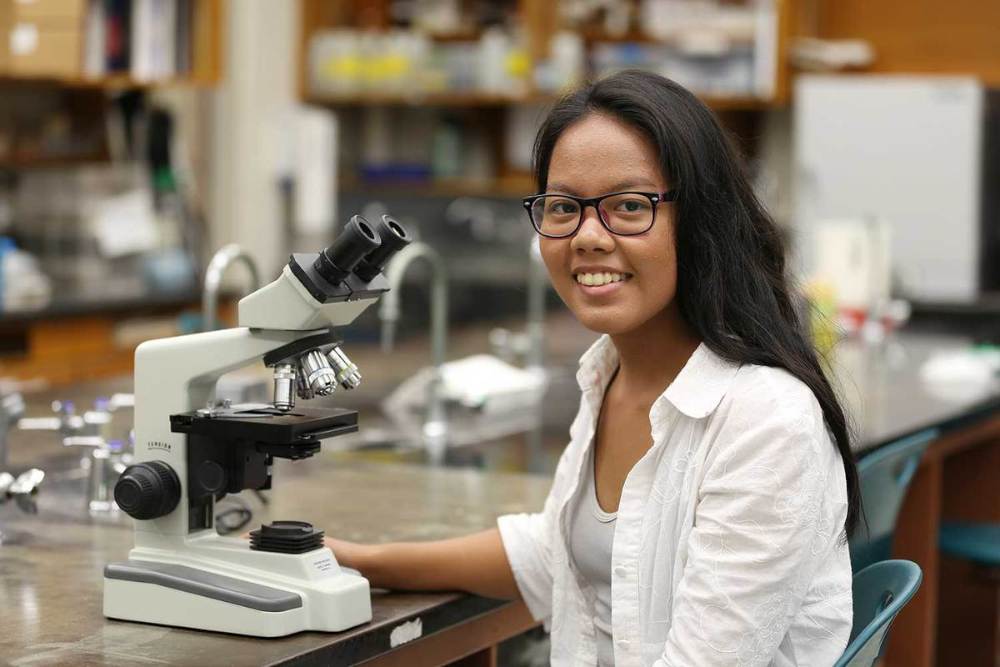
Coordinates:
x,y
530,343
217,267
435,428
21,489
105,454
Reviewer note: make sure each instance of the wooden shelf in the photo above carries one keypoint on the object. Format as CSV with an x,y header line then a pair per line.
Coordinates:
x,y
471,99
486,100
633,36
108,82
513,186
43,162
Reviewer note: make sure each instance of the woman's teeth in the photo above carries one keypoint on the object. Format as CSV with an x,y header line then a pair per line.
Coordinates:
x,y
596,279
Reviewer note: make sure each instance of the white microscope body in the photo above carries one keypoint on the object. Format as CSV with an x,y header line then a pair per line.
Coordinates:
x,y
181,572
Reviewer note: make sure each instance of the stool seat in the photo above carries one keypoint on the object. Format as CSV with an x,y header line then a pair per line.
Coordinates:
x,y
978,542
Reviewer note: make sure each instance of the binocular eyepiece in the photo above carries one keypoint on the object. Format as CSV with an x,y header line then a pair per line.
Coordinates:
x,y
362,248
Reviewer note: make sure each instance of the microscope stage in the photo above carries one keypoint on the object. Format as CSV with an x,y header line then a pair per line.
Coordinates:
x,y
268,425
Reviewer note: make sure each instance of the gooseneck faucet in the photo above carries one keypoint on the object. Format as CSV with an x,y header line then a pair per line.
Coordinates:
x,y
217,267
435,428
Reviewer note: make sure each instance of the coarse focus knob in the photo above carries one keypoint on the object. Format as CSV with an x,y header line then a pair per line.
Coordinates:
x,y
148,490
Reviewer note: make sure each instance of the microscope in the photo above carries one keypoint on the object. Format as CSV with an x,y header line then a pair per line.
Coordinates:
x,y
190,451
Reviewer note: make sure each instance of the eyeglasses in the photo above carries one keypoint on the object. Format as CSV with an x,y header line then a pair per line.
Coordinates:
x,y
621,213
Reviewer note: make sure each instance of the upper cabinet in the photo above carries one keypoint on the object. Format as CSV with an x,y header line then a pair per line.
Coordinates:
x,y
920,36
111,43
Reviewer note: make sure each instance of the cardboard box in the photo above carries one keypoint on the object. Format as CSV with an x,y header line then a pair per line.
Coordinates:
x,y
68,11
36,49
4,37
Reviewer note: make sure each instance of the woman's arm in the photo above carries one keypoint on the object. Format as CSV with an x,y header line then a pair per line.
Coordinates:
x,y
474,563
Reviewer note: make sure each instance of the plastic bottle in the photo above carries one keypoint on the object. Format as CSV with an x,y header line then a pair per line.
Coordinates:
x,y
6,246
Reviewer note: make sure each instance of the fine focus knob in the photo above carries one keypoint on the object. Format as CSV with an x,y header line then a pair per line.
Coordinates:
x,y
148,490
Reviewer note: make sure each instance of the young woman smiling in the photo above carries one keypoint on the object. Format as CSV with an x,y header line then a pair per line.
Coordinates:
x,y
699,514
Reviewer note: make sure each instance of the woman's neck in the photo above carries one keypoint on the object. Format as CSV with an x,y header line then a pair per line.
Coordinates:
x,y
651,356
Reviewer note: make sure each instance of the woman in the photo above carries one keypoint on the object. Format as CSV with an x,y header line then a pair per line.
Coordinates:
x,y
699,514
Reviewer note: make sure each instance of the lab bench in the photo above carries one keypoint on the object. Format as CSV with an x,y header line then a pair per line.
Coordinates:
x,y
50,564
51,571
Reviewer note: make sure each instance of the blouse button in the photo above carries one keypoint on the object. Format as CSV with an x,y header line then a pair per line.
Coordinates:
x,y
623,643
621,571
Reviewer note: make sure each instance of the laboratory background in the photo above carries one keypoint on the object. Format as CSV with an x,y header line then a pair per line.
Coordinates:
x,y
160,160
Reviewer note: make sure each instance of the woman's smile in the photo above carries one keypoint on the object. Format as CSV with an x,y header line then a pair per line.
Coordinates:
x,y
600,281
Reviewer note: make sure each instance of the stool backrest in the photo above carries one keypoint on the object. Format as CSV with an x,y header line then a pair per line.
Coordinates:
x,y
880,592
885,476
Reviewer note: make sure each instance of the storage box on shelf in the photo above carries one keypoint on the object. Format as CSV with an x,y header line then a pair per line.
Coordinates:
x,y
42,36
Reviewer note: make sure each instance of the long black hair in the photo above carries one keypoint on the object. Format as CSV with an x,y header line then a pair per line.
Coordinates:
x,y
731,284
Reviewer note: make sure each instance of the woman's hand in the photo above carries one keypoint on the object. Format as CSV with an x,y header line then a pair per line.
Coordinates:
x,y
350,554
475,563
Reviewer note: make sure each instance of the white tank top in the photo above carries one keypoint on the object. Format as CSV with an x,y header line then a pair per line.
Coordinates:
x,y
591,535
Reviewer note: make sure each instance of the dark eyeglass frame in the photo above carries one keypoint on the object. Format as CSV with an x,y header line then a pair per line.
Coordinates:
x,y
655,199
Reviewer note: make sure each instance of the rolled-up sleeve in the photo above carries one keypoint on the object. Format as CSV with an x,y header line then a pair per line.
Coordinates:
x,y
764,510
526,541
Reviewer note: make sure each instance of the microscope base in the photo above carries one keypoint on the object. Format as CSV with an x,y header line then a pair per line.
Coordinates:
x,y
296,592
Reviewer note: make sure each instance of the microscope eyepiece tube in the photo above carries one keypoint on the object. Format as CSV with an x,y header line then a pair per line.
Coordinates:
x,y
394,238
318,375
284,387
348,374
338,260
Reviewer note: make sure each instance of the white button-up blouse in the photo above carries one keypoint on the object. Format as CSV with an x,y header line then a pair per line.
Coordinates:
x,y
729,546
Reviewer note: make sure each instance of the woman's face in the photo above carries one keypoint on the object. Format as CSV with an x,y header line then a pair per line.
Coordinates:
x,y
595,156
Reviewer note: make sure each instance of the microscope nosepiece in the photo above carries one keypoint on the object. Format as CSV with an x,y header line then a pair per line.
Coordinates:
x,y
338,260
394,238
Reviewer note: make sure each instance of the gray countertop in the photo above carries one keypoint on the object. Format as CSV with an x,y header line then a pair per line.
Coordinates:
x,y
887,398
51,565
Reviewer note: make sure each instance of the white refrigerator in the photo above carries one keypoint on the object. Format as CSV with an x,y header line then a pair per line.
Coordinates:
x,y
917,152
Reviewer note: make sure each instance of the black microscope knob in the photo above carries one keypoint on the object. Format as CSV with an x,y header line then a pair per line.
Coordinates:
x,y
148,490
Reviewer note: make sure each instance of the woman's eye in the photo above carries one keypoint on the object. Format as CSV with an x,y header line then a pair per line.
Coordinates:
x,y
632,206
562,208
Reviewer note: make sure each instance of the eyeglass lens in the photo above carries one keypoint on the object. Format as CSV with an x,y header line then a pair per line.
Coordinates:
x,y
626,213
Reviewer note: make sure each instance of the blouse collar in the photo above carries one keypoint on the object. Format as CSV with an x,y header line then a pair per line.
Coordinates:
x,y
696,391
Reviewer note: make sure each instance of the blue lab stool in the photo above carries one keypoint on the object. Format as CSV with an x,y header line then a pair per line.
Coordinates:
x,y
976,542
880,592
974,640
885,475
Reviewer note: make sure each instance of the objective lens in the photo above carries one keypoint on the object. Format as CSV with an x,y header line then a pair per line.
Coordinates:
x,y
348,374
304,391
284,387
319,376
351,245
394,238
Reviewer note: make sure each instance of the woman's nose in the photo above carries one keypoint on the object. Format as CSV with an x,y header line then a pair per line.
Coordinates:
x,y
592,235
